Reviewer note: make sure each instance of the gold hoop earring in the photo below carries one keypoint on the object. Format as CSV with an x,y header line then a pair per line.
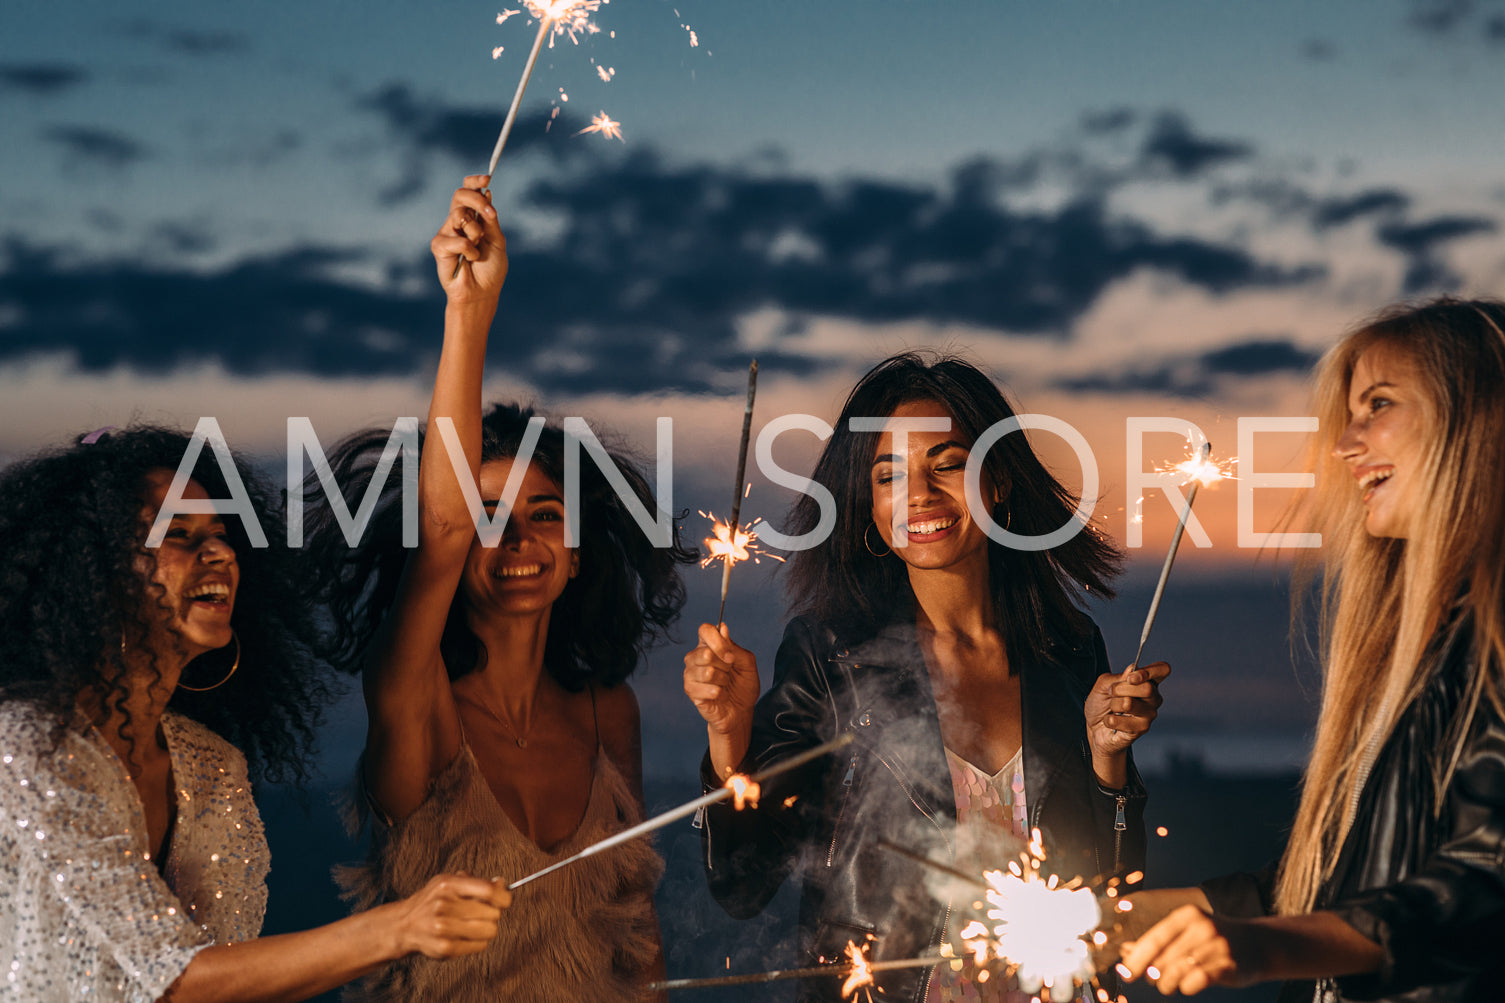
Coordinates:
x,y
868,544
233,666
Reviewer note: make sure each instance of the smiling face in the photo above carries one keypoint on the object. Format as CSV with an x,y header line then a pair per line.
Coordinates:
x,y
1383,443
531,566
919,505
197,572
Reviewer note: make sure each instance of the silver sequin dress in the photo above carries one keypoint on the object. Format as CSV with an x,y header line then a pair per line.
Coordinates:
x,y
84,913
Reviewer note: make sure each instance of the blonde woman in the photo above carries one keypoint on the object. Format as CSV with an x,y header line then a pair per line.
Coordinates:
x,y
1393,883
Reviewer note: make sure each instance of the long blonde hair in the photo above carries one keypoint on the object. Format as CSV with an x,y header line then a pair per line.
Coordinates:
x,y
1382,601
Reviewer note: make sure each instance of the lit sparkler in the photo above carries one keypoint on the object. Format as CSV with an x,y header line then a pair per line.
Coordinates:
x,y
691,807
563,17
856,965
1039,926
1199,470
861,976
729,545
603,124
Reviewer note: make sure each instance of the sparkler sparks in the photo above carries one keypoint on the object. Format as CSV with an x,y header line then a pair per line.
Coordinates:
x,y
1041,930
725,545
745,791
861,976
566,17
603,124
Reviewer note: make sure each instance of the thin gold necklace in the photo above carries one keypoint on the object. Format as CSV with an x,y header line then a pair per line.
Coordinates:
x,y
520,737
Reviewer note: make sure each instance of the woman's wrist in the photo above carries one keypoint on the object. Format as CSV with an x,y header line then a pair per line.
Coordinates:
x,y
1111,769
728,749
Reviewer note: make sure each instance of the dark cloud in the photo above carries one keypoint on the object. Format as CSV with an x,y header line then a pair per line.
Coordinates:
x,y
427,128
1494,28
205,43
1439,16
1319,50
1172,145
1422,243
188,41
650,268
1109,120
41,79
1256,358
280,312
1196,376
91,146
1339,210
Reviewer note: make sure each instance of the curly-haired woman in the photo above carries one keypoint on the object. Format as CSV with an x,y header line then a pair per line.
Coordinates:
x,y
140,689
502,733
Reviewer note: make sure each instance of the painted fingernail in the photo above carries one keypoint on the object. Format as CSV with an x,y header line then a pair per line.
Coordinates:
x,y
1153,973
1123,970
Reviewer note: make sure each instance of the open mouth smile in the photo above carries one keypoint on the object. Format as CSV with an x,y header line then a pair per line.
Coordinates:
x,y
520,571
1372,478
929,527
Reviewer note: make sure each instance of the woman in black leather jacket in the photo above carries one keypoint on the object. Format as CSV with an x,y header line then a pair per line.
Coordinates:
x,y
979,696
1393,883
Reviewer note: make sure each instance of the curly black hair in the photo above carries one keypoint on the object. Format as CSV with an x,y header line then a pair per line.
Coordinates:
x,y
626,596
841,582
72,594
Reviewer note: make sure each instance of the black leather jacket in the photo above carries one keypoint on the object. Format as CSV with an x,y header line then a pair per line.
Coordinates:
x,y
1429,888
892,784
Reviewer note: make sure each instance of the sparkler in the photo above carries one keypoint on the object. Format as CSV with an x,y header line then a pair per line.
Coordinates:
x,y
745,783
603,124
859,965
554,17
1199,470
731,539
1039,927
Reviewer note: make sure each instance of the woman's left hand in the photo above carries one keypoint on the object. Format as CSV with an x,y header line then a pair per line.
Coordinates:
x,y
1122,706
1190,950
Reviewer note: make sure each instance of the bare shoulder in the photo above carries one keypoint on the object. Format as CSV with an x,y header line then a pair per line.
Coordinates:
x,y
620,721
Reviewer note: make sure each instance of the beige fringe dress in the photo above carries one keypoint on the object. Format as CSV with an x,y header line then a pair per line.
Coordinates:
x,y
585,932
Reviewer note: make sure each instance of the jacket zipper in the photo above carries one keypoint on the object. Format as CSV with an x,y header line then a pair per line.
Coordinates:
x,y
945,924
910,794
1119,825
846,796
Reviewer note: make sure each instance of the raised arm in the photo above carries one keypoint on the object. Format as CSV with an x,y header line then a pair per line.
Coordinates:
x,y
413,729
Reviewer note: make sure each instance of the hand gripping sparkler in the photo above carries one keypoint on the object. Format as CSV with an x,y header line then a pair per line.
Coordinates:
x,y
690,807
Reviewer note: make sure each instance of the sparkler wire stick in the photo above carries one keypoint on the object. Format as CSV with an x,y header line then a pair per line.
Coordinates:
x,y
816,971
545,24
1170,558
688,808
946,869
747,412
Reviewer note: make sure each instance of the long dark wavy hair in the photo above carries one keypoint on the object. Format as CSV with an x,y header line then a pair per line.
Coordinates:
x,y
1035,593
72,594
626,596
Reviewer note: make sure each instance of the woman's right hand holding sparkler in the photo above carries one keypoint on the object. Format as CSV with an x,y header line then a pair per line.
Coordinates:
x,y
721,679
452,915
469,250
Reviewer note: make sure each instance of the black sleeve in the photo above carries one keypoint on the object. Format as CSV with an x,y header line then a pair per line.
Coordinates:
x,y
1243,895
749,853
1446,921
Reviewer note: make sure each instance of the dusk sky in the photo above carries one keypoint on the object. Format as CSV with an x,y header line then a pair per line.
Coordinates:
x,y
1121,209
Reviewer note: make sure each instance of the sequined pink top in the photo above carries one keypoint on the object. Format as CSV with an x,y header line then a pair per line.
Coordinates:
x,y
84,912
992,824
